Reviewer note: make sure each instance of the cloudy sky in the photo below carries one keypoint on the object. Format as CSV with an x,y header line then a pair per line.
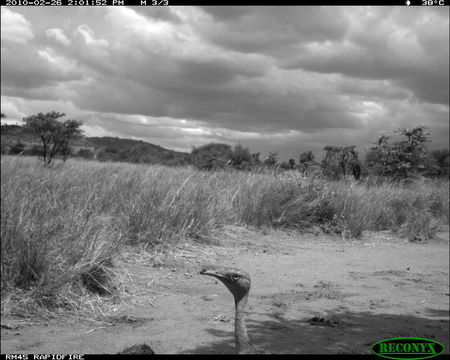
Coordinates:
x,y
287,79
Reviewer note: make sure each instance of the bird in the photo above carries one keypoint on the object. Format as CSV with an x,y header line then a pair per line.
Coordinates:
x,y
238,282
138,349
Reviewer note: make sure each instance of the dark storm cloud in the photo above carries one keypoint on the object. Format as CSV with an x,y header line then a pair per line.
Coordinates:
x,y
413,55
376,90
429,83
272,30
212,73
227,13
276,79
26,69
158,13
265,110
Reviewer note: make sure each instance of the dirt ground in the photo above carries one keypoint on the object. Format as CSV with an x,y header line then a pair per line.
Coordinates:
x,y
311,293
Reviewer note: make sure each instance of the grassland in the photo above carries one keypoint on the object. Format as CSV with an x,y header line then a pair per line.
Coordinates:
x,y
62,226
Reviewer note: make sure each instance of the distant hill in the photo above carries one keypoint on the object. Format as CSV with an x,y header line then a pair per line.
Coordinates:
x,y
120,143
18,132
136,151
101,148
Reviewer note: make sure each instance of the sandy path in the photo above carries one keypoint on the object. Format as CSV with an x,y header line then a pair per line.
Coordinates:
x,y
365,291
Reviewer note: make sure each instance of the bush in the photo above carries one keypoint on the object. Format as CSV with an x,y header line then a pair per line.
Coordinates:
x,y
5,148
85,154
34,150
17,148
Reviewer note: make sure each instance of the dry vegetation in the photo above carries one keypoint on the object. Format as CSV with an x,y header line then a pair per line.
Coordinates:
x,y
62,226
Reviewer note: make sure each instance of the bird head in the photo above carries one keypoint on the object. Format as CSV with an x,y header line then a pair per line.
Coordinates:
x,y
237,281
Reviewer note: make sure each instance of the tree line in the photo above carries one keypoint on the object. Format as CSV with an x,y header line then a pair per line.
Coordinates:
x,y
403,158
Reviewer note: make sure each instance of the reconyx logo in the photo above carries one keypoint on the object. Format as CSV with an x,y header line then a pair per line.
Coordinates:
x,y
407,348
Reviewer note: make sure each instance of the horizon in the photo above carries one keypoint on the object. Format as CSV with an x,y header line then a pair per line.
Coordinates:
x,y
317,156
300,79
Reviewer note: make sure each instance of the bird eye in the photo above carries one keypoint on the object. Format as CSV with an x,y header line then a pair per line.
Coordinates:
x,y
236,277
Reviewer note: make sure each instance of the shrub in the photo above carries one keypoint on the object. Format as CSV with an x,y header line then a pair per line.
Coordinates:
x,y
34,150
17,148
85,154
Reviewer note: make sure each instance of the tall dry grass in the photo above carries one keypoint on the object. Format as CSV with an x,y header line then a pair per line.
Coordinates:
x,y
61,226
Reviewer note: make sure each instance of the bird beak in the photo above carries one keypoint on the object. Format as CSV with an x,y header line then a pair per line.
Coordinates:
x,y
211,271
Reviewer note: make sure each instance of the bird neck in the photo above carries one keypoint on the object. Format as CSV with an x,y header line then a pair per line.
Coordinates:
x,y
243,344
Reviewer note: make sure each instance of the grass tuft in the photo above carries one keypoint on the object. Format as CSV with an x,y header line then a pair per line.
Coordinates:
x,y
62,227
